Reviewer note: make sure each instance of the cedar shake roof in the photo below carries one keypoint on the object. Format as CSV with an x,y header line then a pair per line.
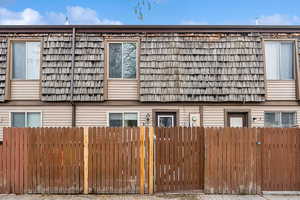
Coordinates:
x,y
177,63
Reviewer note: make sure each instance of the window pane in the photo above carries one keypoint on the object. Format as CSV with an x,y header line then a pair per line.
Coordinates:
x,y
129,60
272,119
288,119
130,119
19,60
18,119
115,60
272,60
286,61
33,119
115,120
33,60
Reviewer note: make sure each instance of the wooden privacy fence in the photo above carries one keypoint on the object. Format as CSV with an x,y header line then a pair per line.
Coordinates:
x,y
129,160
179,159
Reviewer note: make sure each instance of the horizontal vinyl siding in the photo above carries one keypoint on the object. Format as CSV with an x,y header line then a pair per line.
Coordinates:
x,y
25,90
281,90
213,116
97,115
122,89
52,116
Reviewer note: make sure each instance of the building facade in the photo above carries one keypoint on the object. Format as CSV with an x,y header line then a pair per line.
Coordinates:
x,y
149,75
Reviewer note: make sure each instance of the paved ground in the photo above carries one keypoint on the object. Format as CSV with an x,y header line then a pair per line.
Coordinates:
x,y
156,197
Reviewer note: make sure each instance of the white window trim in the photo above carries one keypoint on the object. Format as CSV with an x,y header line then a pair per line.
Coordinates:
x,y
280,112
159,116
21,111
122,112
136,60
26,68
295,57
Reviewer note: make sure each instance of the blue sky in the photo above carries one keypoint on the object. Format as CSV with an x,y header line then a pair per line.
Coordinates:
x,y
275,12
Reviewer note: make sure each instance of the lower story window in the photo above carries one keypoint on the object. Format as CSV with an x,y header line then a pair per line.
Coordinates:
x,y
280,119
25,119
126,119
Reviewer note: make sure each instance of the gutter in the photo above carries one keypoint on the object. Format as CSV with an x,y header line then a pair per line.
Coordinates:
x,y
72,79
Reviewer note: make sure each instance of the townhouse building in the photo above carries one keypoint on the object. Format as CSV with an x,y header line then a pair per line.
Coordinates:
x,y
101,75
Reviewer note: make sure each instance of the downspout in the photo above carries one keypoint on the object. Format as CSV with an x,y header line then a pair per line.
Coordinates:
x,y
72,80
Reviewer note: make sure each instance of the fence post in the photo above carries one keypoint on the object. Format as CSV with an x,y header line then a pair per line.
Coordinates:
x,y
86,160
151,159
142,159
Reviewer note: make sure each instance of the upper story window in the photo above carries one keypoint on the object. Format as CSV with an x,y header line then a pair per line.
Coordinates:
x,y
25,119
127,119
26,60
122,60
279,60
280,119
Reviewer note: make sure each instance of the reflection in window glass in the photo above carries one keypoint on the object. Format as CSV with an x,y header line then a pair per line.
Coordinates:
x,y
280,119
122,60
18,119
130,119
115,120
115,60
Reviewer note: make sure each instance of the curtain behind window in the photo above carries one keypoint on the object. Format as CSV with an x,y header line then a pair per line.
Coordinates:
x,y
33,60
279,60
19,60
286,61
33,119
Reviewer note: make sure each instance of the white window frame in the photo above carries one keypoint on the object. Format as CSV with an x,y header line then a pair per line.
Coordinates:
x,y
136,60
295,57
160,116
26,112
123,112
12,57
280,113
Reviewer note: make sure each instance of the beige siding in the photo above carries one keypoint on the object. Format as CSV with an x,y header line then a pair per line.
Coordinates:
x,y
281,90
213,116
122,90
25,90
52,116
97,115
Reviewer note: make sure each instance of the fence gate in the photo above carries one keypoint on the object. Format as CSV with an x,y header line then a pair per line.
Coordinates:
x,y
179,159
233,161
115,160
280,159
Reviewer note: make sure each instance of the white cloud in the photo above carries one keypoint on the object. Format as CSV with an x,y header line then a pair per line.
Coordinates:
x,y
192,22
76,15
278,19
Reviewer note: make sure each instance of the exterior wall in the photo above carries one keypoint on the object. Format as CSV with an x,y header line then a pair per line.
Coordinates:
x,y
213,116
122,90
25,90
281,90
52,116
97,115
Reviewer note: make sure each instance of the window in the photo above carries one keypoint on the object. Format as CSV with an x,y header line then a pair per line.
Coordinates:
x,y
280,119
122,60
26,60
25,119
279,60
123,119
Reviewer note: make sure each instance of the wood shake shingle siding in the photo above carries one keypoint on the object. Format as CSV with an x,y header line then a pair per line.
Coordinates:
x,y
202,67
221,66
3,66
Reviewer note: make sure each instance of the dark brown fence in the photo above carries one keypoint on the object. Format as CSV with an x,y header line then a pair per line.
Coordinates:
x,y
232,161
281,159
179,159
119,160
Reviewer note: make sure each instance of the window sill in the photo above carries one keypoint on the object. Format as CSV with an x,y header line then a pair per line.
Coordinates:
x,y
25,79
122,79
